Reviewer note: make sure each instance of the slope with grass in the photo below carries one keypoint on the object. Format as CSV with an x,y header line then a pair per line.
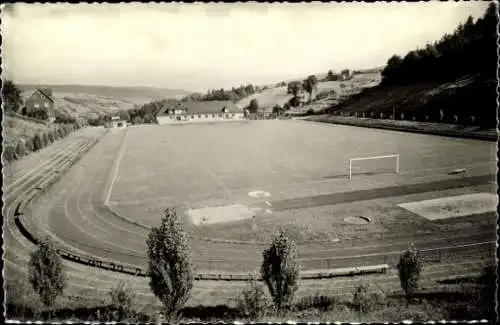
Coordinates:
x,y
91,101
17,128
278,96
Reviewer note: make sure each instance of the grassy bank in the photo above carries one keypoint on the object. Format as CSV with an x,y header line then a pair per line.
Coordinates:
x,y
459,299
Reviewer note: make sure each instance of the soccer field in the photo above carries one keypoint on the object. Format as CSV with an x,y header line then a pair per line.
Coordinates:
x,y
215,173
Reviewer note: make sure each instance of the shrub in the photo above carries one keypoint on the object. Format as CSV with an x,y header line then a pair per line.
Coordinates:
x,y
253,302
20,150
410,266
50,137
365,299
45,139
55,135
9,153
122,299
280,270
47,273
170,268
29,145
37,143
321,302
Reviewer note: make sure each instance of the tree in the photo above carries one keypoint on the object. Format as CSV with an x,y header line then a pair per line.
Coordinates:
x,y
37,143
122,299
124,115
277,109
310,85
280,271
170,269
294,87
47,273
410,266
20,150
45,140
11,96
253,107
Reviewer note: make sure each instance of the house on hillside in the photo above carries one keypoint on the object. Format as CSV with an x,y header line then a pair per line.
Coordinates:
x,y
116,123
41,101
199,112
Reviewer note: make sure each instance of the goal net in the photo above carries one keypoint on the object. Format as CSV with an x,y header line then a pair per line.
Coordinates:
x,y
375,165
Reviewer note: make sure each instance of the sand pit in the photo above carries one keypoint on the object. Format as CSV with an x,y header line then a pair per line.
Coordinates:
x,y
227,213
454,206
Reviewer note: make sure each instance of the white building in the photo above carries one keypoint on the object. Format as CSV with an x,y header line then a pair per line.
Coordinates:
x,y
200,112
116,123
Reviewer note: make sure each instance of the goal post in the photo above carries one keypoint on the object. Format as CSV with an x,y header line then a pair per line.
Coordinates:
x,y
394,158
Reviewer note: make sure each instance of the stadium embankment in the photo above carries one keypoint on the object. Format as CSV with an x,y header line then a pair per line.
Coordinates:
x,y
449,130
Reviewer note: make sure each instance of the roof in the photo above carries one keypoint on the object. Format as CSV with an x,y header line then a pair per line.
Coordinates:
x,y
204,107
47,93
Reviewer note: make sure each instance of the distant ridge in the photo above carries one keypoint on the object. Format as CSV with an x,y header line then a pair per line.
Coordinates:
x,y
111,91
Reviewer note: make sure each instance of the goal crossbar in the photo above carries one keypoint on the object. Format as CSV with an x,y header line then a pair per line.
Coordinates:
x,y
373,158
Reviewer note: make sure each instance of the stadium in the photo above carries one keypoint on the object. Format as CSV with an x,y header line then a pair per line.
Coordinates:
x,y
237,184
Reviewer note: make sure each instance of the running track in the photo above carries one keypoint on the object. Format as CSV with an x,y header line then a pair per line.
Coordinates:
x,y
79,221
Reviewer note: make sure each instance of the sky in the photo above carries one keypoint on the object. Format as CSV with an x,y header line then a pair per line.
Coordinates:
x,y
203,46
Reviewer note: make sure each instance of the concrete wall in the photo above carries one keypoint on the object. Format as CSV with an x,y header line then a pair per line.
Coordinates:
x,y
199,118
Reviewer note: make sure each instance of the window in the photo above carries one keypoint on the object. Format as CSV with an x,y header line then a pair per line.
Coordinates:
x,y
46,105
220,115
178,118
232,115
199,115
206,115
213,115
37,105
227,115
192,116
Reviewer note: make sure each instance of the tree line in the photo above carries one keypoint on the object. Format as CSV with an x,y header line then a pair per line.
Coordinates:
x,y
470,49
234,94
171,277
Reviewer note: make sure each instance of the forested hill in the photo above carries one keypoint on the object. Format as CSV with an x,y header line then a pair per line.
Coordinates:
x,y
451,81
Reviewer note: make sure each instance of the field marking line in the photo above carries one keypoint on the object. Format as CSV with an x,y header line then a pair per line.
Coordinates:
x,y
296,184
117,167
219,182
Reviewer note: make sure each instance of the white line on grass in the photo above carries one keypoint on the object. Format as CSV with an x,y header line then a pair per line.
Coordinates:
x,y
295,184
219,182
119,161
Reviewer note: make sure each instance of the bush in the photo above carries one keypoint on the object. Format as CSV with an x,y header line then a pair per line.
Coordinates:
x,y
47,273
9,153
122,299
55,135
170,268
321,302
365,299
50,137
410,266
253,302
45,139
280,270
37,143
61,133
20,150
29,145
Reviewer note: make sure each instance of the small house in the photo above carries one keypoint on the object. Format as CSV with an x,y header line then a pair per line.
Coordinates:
x,y
199,112
41,101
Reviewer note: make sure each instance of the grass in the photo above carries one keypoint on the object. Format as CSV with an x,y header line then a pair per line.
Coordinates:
x,y
15,129
267,155
467,301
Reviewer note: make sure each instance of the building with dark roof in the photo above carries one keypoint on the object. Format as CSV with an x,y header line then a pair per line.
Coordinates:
x,y
200,111
41,100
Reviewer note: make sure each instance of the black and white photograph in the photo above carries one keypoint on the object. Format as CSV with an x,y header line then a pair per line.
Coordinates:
x,y
249,162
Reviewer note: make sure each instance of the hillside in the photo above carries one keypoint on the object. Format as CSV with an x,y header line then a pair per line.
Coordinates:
x,y
469,99
17,128
278,96
90,101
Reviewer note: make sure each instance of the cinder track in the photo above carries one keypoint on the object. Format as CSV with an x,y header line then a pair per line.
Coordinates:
x,y
81,223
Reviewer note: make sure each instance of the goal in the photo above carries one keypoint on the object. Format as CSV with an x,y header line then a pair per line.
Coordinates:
x,y
374,165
